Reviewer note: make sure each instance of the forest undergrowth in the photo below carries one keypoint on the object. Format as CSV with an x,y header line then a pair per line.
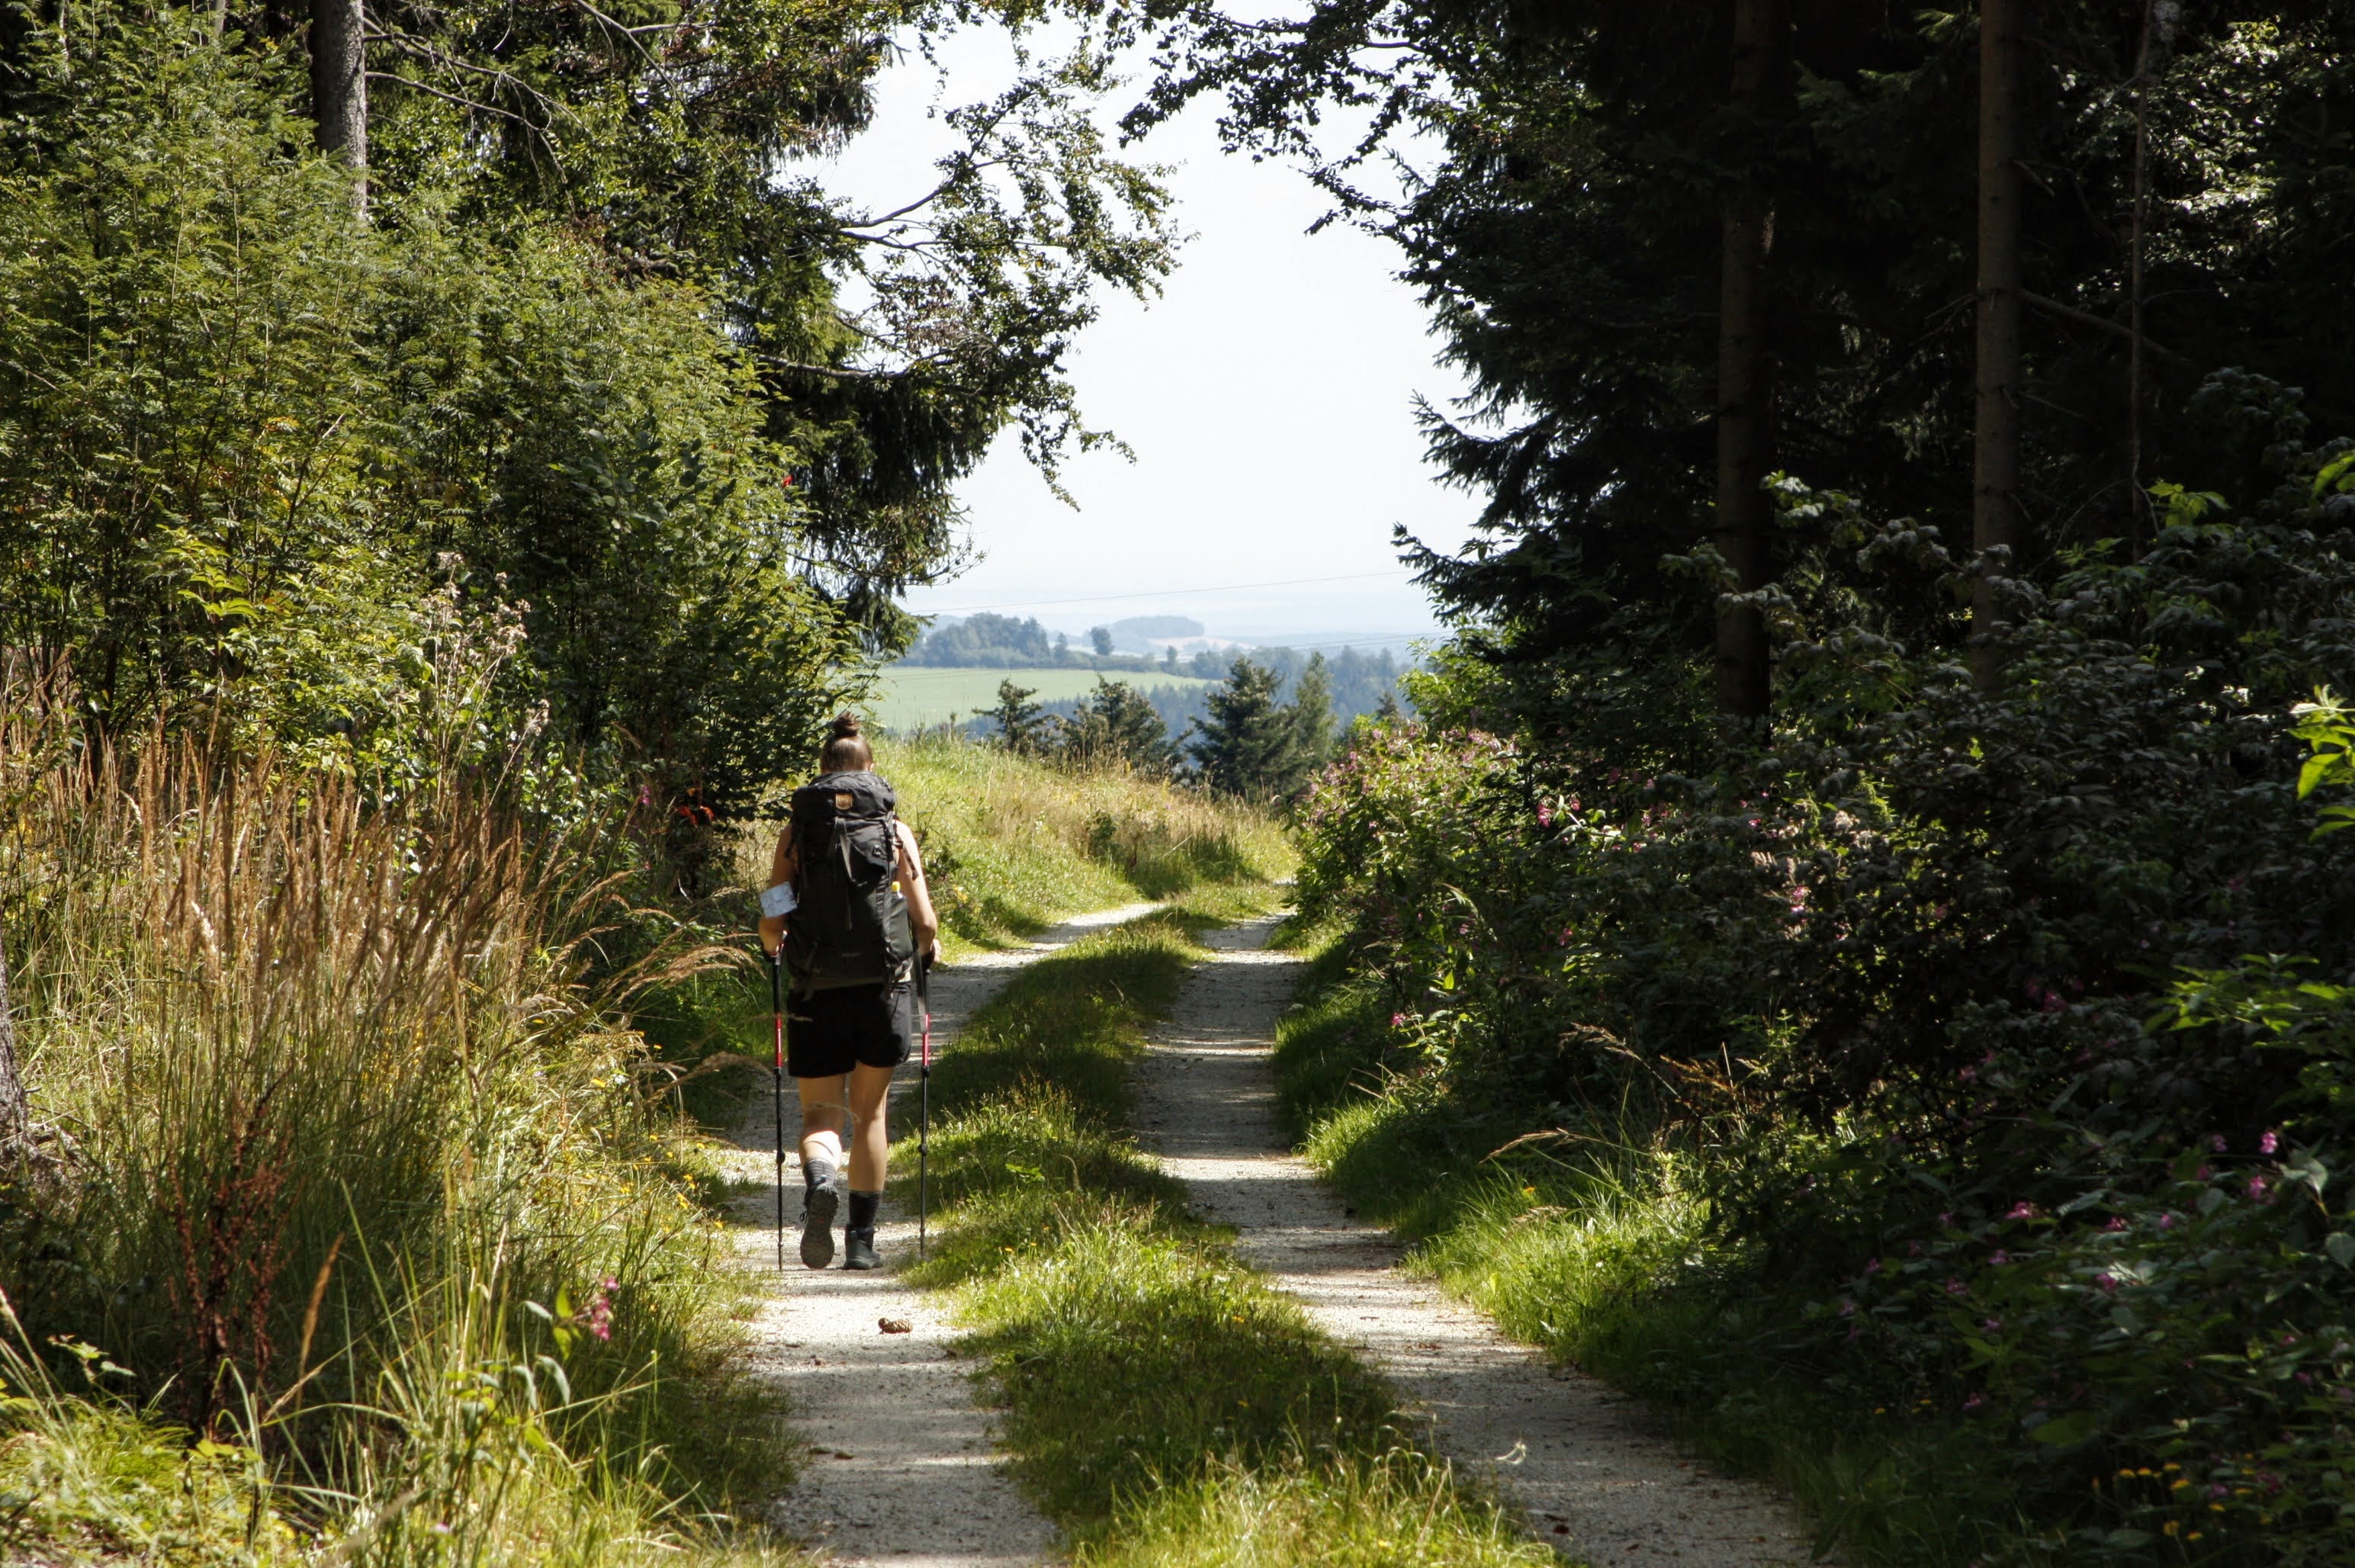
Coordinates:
x,y
1941,1105
1163,1404
357,1217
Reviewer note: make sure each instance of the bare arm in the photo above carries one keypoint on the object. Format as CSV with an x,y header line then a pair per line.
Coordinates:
x,y
926,925
782,867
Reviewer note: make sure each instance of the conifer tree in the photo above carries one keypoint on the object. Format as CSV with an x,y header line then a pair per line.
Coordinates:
x,y
1311,710
1250,744
1118,723
1022,725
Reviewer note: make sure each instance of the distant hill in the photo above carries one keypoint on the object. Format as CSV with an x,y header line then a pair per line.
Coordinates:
x,y
985,641
1136,634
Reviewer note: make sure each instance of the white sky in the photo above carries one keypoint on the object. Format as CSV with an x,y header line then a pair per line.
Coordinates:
x,y
1267,395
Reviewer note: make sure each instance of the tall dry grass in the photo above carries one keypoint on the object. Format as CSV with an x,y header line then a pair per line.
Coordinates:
x,y
336,1134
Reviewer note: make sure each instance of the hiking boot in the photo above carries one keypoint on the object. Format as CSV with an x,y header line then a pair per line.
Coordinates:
x,y
818,1206
858,1249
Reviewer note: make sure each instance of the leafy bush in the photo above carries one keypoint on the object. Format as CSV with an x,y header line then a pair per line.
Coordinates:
x,y
1945,993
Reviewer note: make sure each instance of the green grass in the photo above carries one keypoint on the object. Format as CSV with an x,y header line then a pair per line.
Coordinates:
x,y
1014,843
1161,1402
913,697
1596,1247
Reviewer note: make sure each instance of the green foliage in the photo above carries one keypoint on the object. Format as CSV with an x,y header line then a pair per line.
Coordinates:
x,y
252,433
1252,746
1119,723
1567,236
1896,1000
986,639
1022,727
2326,727
678,142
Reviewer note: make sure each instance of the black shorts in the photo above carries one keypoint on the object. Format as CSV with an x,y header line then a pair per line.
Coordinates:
x,y
828,1032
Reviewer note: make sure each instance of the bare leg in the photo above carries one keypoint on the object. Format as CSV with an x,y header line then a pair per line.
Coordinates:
x,y
826,1106
870,1088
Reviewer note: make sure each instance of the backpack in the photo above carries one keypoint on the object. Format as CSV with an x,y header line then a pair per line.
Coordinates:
x,y
849,927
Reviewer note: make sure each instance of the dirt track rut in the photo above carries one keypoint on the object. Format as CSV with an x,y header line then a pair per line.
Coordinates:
x,y
1597,1477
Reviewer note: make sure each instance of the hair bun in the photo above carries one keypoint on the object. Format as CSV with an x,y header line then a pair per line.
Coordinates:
x,y
845,727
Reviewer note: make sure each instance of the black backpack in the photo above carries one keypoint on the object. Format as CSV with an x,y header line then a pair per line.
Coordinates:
x,y
849,924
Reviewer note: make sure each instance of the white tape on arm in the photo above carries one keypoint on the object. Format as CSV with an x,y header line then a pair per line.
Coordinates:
x,y
778,902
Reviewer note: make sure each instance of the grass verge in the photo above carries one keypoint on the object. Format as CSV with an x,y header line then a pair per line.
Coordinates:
x,y
1595,1249
1013,844
1161,1403
348,1227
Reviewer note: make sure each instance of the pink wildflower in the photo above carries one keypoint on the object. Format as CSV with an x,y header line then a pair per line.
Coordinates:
x,y
598,1316
1976,1402
2269,1143
2107,1281
1398,1021
2024,1210
2216,1142
2257,1188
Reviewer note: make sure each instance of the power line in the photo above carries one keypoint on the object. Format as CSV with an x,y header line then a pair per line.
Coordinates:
x,y
1155,593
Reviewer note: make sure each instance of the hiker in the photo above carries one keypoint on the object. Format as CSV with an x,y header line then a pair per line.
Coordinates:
x,y
851,915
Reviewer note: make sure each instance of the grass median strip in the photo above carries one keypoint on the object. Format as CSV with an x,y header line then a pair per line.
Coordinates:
x,y
1596,1250
1161,1403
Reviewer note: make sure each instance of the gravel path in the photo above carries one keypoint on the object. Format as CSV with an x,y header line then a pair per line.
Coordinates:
x,y
1596,1477
899,1469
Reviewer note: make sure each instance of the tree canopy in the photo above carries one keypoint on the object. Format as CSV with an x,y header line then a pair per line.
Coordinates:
x,y
598,351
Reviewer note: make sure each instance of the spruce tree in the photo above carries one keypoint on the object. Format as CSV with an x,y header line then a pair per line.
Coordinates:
x,y
1249,745
1311,711
1118,723
1022,725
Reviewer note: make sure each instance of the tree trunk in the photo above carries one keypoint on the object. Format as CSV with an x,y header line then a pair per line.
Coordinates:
x,y
16,1113
339,83
1744,376
1995,467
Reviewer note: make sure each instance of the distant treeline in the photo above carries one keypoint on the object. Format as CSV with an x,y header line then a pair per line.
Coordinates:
x,y
1360,683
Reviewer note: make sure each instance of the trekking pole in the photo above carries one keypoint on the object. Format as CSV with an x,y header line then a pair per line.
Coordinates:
x,y
777,1088
925,1111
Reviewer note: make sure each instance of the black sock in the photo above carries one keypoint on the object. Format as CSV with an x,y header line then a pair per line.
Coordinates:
x,y
862,1210
816,1173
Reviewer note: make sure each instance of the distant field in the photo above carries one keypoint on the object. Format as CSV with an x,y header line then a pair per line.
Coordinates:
x,y
913,695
